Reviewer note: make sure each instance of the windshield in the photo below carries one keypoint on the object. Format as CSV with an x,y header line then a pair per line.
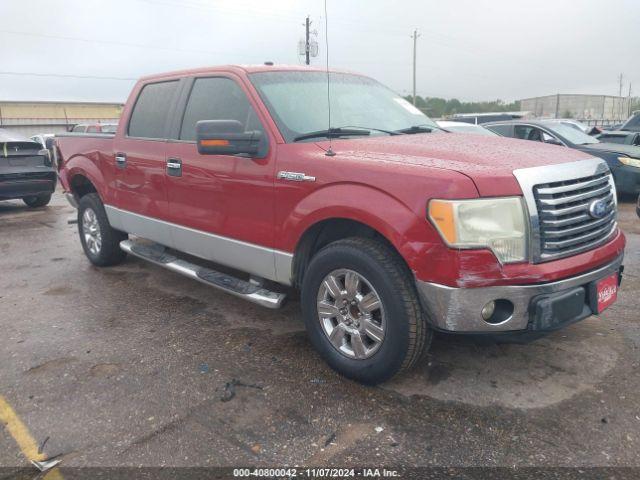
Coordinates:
x,y
297,101
571,134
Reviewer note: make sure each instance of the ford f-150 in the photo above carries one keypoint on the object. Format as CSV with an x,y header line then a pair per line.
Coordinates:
x,y
390,227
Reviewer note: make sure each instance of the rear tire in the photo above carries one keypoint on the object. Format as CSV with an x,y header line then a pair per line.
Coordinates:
x,y
100,242
36,201
367,324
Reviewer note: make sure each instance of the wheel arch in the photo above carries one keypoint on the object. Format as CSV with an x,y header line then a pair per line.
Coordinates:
x,y
329,230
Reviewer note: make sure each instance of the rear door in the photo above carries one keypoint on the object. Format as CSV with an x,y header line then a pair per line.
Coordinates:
x,y
139,164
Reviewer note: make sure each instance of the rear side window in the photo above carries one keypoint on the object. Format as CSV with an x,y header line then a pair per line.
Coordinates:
x,y
92,129
633,123
504,130
78,128
217,98
612,138
151,110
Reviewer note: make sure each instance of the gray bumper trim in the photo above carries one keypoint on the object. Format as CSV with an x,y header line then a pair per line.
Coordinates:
x,y
71,199
458,309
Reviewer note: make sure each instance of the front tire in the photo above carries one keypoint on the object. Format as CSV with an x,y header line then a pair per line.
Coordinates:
x,y
100,242
362,311
36,201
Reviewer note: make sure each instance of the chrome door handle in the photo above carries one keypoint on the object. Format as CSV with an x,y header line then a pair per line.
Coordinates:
x,y
174,167
121,160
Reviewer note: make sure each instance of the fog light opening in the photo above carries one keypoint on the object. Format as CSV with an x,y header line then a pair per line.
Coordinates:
x,y
497,311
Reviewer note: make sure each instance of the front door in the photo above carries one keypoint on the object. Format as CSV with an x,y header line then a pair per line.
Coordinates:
x,y
221,206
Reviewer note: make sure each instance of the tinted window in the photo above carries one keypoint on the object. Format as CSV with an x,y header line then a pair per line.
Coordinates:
x,y
217,99
633,123
612,138
92,129
78,128
151,110
504,130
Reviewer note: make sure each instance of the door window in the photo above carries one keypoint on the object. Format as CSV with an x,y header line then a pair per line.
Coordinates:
x,y
526,132
612,138
504,130
151,110
217,98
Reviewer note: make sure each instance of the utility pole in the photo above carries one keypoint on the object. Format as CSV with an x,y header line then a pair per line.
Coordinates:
x,y
415,43
307,24
620,81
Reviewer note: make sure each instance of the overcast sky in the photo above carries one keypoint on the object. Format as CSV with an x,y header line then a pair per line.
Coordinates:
x,y
468,49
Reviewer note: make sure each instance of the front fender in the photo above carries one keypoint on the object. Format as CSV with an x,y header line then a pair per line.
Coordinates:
x,y
397,222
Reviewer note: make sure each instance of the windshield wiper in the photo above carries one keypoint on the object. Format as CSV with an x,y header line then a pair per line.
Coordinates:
x,y
424,128
390,132
333,133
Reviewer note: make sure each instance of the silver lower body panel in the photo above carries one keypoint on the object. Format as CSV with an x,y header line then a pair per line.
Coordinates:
x,y
247,257
459,309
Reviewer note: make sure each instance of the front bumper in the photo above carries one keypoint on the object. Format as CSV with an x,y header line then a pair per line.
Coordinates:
x,y
534,306
627,179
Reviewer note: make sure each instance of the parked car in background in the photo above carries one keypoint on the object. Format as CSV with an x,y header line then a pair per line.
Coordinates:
x,y
44,139
620,136
571,123
47,141
95,128
479,118
389,231
26,170
623,160
462,127
633,123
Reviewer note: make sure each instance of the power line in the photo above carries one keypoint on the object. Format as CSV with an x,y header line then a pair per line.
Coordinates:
x,y
59,75
106,42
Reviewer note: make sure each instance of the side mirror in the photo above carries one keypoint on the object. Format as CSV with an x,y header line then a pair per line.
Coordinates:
x,y
226,137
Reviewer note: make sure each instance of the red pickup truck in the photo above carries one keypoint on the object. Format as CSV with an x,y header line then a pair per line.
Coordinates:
x,y
390,227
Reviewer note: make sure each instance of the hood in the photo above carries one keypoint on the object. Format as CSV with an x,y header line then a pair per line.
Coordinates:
x,y
628,150
488,161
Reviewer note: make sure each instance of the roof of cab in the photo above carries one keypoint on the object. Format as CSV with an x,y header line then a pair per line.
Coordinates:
x,y
241,69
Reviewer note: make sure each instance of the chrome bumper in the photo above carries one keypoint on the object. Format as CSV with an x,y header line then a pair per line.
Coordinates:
x,y
458,309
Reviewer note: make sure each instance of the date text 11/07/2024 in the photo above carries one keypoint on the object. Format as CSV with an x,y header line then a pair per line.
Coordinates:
x,y
315,473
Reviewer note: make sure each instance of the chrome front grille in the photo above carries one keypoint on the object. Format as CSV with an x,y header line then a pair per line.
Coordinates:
x,y
560,199
566,225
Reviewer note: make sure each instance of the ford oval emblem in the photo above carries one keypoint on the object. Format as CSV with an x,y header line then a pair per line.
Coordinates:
x,y
598,209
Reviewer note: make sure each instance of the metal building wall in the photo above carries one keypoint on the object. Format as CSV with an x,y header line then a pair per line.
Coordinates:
x,y
29,118
582,107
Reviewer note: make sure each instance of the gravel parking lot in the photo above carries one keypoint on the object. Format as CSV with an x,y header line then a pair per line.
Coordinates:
x,y
135,365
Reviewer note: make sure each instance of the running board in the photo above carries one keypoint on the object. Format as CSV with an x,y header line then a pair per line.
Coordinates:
x,y
250,291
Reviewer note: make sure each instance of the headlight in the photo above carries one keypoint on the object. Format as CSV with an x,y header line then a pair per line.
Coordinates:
x,y
495,223
632,162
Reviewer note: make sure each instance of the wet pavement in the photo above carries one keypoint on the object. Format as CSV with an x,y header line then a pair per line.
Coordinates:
x,y
134,365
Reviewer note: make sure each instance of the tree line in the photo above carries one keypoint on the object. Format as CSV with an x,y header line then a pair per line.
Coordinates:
x,y
440,107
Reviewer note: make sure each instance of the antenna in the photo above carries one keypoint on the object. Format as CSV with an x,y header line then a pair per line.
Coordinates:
x,y
330,152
